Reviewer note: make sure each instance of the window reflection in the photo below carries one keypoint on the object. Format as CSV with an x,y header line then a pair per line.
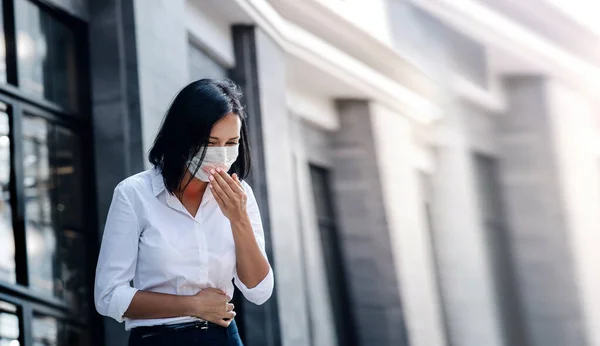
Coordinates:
x,y
55,244
49,331
46,55
45,331
7,241
41,237
9,325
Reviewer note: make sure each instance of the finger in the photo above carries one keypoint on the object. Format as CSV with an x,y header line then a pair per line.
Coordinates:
x,y
230,307
217,195
228,316
222,323
217,189
229,181
237,180
218,179
235,186
218,198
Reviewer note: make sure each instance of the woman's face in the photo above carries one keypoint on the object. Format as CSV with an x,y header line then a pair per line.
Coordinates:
x,y
225,132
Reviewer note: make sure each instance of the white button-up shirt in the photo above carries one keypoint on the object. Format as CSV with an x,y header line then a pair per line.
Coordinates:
x,y
152,240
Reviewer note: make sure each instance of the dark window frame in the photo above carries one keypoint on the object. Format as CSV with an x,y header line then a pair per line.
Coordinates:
x,y
495,225
337,282
19,105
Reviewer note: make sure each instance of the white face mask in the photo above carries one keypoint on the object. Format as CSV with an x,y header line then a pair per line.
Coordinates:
x,y
216,157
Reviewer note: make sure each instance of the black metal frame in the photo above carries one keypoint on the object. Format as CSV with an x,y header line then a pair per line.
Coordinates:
x,y
18,104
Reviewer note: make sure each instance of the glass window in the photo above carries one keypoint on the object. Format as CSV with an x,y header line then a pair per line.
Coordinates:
x,y
46,55
9,325
40,235
7,240
55,244
322,194
49,331
45,331
71,285
68,170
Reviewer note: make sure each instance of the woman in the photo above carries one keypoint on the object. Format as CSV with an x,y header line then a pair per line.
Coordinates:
x,y
184,229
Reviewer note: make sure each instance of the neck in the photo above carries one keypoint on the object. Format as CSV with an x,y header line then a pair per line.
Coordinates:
x,y
195,188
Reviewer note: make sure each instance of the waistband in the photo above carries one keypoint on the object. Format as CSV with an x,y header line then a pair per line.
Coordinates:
x,y
149,331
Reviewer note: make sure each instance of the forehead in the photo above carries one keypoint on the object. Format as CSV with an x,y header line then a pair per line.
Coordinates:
x,y
229,124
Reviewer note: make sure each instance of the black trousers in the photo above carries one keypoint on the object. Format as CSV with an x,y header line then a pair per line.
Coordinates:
x,y
213,336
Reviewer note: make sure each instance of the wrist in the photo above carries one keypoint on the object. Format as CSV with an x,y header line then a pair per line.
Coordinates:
x,y
241,222
190,305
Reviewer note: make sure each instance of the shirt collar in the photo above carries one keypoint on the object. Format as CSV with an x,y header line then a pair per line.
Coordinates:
x,y
158,186
158,183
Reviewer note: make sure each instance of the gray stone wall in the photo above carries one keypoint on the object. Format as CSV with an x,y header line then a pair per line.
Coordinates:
x,y
481,127
162,42
537,219
317,143
283,201
419,35
364,230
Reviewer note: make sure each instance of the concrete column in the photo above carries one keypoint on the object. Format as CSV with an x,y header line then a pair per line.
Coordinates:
x,y
409,235
465,272
576,129
538,221
116,117
364,230
162,40
260,70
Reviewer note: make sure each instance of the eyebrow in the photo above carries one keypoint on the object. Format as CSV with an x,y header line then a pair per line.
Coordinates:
x,y
237,137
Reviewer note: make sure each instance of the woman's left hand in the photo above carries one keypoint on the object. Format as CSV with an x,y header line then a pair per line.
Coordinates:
x,y
229,194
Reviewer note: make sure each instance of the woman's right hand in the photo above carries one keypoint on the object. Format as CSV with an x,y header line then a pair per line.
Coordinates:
x,y
211,304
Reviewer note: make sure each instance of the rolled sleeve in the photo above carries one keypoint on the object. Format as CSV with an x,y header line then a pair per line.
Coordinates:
x,y
260,293
119,301
117,260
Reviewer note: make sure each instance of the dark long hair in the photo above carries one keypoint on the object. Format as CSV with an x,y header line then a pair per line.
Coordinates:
x,y
185,130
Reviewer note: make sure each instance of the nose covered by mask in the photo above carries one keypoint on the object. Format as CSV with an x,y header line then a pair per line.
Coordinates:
x,y
215,157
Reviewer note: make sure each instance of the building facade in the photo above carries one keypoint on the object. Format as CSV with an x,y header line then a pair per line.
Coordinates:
x,y
427,171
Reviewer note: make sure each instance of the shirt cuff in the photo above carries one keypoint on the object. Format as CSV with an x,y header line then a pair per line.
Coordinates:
x,y
260,293
120,301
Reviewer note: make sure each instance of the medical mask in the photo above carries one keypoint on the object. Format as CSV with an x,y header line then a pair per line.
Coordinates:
x,y
215,157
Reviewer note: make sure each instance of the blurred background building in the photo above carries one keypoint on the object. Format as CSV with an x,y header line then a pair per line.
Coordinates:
x,y
428,170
